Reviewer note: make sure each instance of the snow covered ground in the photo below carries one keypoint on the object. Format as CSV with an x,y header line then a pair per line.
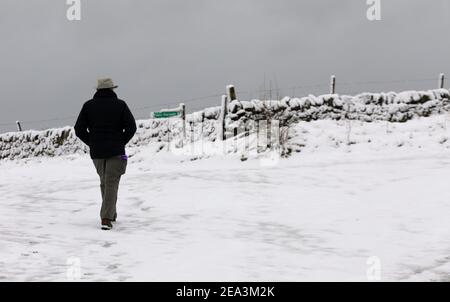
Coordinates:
x,y
354,191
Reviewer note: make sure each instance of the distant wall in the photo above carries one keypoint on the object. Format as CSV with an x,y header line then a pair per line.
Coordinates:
x,y
393,107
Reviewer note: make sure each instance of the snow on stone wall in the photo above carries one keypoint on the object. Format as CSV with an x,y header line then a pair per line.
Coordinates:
x,y
62,141
393,107
368,107
51,142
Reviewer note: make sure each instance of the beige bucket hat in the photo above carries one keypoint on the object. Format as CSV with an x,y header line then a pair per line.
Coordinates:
x,y
105,83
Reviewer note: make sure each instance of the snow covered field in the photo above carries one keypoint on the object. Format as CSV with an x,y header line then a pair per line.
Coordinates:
x,y
354,191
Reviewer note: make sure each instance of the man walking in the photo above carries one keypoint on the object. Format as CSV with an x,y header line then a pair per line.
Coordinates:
x,y
106,125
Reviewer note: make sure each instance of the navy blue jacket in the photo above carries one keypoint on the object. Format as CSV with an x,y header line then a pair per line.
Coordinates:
x,y
105,124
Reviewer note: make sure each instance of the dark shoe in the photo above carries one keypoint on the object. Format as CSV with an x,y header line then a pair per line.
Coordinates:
x,y
106,224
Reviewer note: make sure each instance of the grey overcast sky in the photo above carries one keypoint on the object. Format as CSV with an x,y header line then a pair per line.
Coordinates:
x,y
166,51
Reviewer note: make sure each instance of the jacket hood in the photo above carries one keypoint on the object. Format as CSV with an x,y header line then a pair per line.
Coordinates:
x,y
105,93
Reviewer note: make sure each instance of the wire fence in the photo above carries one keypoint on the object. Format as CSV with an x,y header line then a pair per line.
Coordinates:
x,y
198,103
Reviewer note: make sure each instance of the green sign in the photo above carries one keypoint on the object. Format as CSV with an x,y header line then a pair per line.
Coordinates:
x,y
163,114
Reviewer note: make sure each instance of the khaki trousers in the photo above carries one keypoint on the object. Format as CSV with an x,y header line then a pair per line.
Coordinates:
x,y
110,170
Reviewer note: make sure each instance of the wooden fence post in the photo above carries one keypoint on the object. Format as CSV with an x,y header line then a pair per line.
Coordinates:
x,y
19,126
222,116
183,118
192,127
441,80
231,93
333,85
202,123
